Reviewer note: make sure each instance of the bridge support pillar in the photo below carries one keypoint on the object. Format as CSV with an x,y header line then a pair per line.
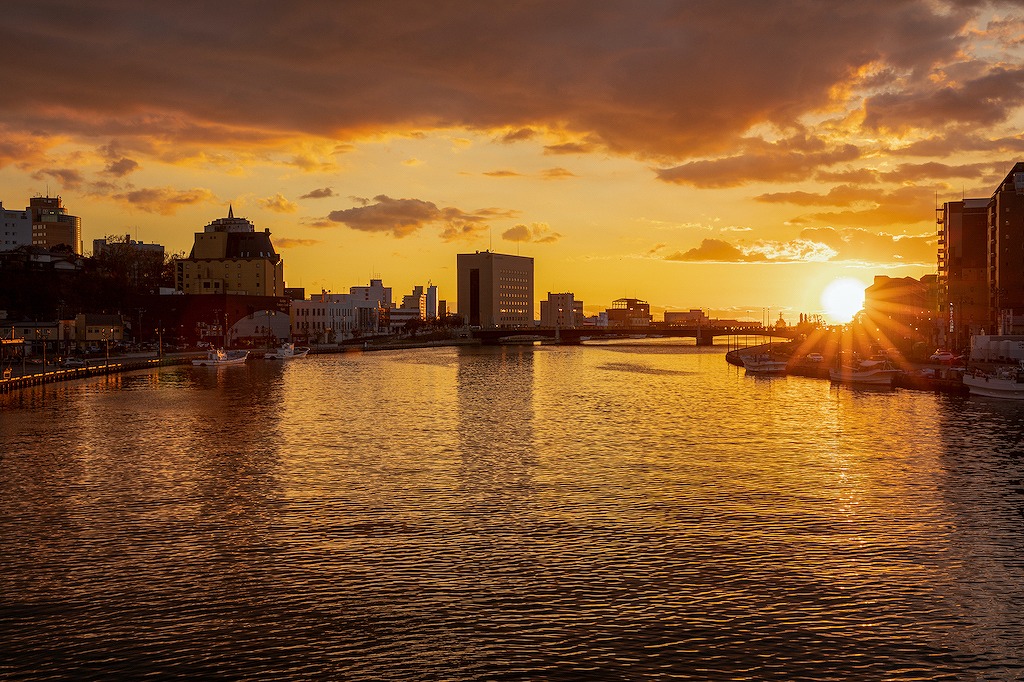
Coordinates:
x,y
705,338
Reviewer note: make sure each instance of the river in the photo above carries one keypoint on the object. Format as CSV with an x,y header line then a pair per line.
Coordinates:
x,y
632,510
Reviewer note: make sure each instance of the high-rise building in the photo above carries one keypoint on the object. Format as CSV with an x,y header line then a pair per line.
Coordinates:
x,y
53,226
1006,251
561,311
15,228
963,271
495,289
230,257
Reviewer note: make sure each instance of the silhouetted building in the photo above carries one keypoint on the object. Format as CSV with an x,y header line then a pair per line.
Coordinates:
x,y
1006,253
230,257
899,311
562,311
694,317
495,289
129,244
53,226
963,271
629,312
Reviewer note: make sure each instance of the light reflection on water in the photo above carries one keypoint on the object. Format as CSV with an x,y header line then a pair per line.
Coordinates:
x,y
632,510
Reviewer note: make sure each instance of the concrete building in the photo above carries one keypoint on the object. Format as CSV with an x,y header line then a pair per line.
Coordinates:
x,y
100,245
629,312
15,228
230,257
694,317
963,271
900,311
495,289
53,226
1006,253
561,311
328,318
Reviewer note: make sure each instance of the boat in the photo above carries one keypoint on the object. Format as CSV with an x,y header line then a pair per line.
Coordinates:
x,y
220,356
865,373
1007,383
763,364
287,351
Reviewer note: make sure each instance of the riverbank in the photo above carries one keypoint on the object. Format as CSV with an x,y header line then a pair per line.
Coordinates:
x,y
940,378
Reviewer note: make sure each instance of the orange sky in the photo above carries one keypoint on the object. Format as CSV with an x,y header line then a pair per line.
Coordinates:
x,y
735,156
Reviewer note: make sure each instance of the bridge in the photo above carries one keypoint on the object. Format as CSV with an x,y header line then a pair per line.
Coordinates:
x,y
704,334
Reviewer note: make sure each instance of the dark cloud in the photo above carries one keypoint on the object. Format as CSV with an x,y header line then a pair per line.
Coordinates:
x,y
986,100
780,162
319,194
69,178
164,200
664,81
121,167
402,217
843,195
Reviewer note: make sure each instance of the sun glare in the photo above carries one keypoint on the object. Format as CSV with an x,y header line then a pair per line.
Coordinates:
x,y
842,299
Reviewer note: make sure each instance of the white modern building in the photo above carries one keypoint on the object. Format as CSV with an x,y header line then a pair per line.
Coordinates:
x,y
327,317
15,228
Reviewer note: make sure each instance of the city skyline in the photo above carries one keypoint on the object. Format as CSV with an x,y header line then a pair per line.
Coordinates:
x,y
729,156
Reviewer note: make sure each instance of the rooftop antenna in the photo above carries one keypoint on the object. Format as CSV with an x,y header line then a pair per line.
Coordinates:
x,y
490,239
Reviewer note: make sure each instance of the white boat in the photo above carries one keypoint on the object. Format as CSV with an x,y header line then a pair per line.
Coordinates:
x,y
222,357
287,351
865,373
763,364
1005,383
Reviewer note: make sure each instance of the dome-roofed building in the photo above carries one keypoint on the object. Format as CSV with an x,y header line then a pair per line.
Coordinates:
x,y
230,257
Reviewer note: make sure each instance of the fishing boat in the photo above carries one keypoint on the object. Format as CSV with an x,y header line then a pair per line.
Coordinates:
x,y
287,351
1006,383
220,356
865,373
763,364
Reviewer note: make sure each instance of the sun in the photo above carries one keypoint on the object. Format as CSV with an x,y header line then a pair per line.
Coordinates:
x,y
843,298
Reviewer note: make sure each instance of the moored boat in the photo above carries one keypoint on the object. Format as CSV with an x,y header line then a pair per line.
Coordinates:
x,y
865,373
763,364
1007,383
287,351
220,356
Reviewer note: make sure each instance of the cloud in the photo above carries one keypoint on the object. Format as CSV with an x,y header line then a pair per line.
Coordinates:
x,y
402,217
857,244
985,100
278,204
288,243
557,173
762,251
68,177
164,200
319,194
503,174
843,195
788,160
518,135
121,167
537,233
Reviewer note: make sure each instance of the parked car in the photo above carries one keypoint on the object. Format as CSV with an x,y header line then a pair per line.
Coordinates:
x,y
815,357
73,362
943,356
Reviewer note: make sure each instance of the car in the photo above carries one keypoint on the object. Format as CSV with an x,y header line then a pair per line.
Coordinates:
x,y
73,362
944,356
815,357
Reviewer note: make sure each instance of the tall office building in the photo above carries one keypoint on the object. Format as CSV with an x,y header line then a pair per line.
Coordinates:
x,y
53,226
963,271
495,289
1006,251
